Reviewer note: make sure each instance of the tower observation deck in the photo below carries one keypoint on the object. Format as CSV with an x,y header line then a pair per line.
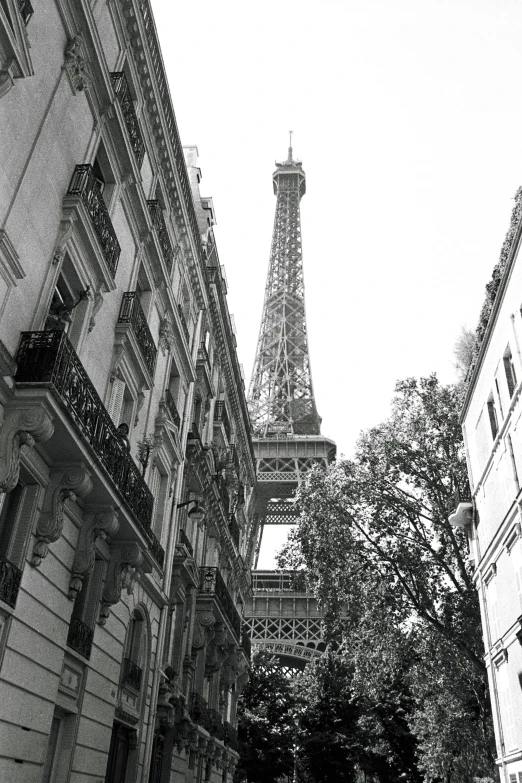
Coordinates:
x,y
287,428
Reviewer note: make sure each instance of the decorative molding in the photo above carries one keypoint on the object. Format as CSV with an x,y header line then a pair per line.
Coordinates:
x,y
98,301
166,335
126,558
20,427
64,234
76,64
97,524
63,486
203,629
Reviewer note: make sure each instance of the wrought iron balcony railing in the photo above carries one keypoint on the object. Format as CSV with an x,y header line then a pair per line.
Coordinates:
x,y
123,93
48,357
183,540
131,312
10,578
183,323
80,638
221,417
158,221
235,532
26,10
157,551
458,496
231,736
216,725
85,185
212,583
246,642
199,712
131,674
171,407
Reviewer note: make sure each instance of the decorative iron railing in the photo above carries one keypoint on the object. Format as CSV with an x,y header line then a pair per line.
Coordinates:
x,y
246,642
458,496
212,583
10,578
123,93
221,417
84,184
80,638
235,533
231,736
131,312
216,725
171,407
158,221
131,674
48,357
199,711
157,551
279,582
183,323
183,540
26,10
203,354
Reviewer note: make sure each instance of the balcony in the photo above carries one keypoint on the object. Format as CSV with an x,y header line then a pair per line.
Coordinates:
x,y
460,508
211,583
123,94
157,551
10,578
26,10
221,417
231,736
49,358
80,638
234,530
131,312
199,712
86,186
171,408
158,221
183,541
131,675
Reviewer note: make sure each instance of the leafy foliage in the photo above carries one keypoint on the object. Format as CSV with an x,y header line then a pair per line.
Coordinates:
x,y
395,580
265,724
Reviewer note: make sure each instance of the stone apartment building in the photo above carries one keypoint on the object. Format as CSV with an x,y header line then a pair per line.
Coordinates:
x,y
126,462
492,427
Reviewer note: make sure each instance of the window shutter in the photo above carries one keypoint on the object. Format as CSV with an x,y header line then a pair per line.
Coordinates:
x,y
115,405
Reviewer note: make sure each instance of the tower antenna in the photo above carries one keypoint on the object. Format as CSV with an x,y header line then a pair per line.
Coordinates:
x,y
290,147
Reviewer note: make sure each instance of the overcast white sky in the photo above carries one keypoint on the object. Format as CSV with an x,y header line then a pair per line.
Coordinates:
x,y
407,116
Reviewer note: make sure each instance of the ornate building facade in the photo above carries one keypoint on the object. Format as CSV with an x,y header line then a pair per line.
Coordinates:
x,y
126,461
492,515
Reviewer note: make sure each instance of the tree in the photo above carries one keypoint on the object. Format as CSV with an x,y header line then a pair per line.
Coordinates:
x,y
265,723
464,351
395,578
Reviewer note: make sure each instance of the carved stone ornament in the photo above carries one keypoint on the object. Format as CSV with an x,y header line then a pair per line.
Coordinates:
x,y
166,335
216,652
126,558
98,301
203,629
64,485
76,64
65,233
231,667
96,524
20,427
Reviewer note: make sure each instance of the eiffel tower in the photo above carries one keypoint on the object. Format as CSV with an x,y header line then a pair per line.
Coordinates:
x,y
283,616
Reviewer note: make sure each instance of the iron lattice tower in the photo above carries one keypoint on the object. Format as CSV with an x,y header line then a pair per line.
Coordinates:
x,y
281,396
283,616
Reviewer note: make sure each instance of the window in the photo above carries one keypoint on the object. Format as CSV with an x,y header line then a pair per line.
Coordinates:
x,y
499,398
158,487
59,747
104,176
507,716
492,610
121,404
18,508
509,368
85,609
493,419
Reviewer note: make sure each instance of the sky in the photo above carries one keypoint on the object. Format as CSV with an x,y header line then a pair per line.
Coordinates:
x,y
408,120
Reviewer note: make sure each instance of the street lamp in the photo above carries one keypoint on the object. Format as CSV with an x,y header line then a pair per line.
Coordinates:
x,y
197,513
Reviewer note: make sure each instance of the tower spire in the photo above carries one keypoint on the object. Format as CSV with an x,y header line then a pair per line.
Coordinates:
x,y
281,397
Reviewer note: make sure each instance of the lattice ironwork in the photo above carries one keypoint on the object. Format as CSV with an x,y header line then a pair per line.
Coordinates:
x,y
131,312
281,397
158,221
123,93
284,629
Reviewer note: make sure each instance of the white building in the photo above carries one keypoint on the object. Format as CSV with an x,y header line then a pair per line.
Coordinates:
x,y
492,426
126,462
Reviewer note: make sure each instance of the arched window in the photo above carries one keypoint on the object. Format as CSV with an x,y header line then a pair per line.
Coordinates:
x,y
135,652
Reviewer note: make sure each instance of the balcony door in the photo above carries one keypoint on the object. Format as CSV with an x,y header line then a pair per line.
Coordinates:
x,y
118,754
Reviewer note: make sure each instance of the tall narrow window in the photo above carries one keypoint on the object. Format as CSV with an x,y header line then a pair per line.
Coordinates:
x,y
499,398
509,369
493,418
83,618
16,520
